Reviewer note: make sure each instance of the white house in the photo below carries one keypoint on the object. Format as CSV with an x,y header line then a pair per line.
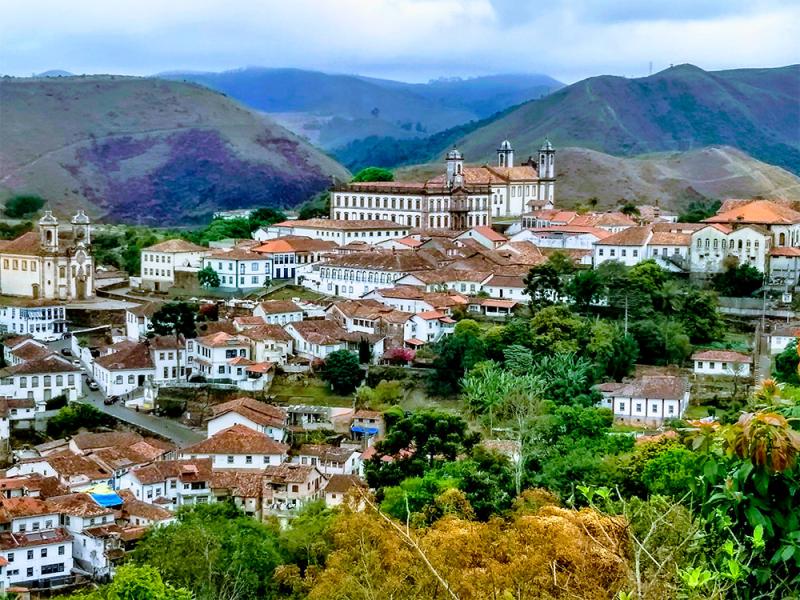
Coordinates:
x,y
629,246
649,400
35,550
714,243
563,237
213,356
431,326
330,460
42,379
339,486
238,447
239,268
444,279
413,299
782,337
169,358
125,369
160,261
278,312
485,236
43,322
291,256
781,221
292,486
138,320
506,287
341,231
20,349
269,343
722,362
259,416
354,275
170,483
784,267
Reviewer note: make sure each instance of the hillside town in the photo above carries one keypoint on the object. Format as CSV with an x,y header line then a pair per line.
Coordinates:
x,y
385,278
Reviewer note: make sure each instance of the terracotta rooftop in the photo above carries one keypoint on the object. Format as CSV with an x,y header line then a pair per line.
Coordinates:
x,y
668,238
341,224
490,233
176,245
266,331
383,260
323,332
326,452
633,236
763,212
294,243
12,341
68,466
240,483
722,356
148,309
12,541
48,364
79,505
134,357
237,439
23,506
222,340
288,473
341,484
260,413
668,387
31,350
277,307
95,441
131,507
194,470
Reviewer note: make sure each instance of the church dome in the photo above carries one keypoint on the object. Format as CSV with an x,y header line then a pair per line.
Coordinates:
x,y
547,145
454,154
505,145
48,219
80,218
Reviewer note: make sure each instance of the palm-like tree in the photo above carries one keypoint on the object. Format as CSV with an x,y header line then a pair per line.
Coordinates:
x,y
767,439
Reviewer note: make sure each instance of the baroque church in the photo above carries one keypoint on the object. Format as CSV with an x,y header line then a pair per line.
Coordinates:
x,y
460,198
50,263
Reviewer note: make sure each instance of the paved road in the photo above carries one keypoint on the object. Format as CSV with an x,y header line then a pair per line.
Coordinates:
x,y
179,434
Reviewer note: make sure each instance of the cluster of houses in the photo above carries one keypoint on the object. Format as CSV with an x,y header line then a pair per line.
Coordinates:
x,y
72,508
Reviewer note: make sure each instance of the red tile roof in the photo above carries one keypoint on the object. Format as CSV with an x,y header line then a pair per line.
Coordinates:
x,y
722,356
237,439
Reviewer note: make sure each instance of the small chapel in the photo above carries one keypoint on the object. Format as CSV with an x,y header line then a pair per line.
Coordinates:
x,y
51,262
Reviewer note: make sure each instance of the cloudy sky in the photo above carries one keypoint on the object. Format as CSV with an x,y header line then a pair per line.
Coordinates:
x,y
414,40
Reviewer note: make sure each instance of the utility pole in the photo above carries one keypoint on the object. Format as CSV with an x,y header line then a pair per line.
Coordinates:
x,y
626,314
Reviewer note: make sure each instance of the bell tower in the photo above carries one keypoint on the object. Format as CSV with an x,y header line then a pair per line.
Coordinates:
x,y
455,168
505,155
547,172
81,230
48,232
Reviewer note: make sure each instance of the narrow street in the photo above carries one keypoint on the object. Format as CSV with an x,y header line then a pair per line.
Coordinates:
x,y
177,433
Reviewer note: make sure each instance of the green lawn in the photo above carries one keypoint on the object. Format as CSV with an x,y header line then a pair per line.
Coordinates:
x,y
696,412
293,291
307,391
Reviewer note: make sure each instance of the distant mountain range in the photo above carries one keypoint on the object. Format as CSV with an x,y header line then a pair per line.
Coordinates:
x,y
681,108
149,151
671,180
332,110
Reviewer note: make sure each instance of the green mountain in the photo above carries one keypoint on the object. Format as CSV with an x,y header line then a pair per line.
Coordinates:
x,y
332,110
681,108
670,179
148,150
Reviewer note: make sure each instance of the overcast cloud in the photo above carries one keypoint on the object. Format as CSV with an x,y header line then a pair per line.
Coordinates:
x,y
412,40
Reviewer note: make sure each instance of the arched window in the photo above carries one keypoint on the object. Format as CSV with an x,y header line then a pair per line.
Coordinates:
x,y
782,239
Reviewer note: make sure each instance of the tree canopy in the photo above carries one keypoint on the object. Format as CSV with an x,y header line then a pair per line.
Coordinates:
x,y
373,174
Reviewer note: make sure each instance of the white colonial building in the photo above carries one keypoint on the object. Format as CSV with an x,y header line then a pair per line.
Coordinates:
x,y
340,230
49,263
648,401
461,198
160,261
44,322
239,268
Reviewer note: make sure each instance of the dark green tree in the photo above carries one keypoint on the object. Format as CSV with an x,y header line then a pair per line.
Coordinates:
x,y
342,371
785,369
22,206
455,355
178,319
543,286
373,174
738,281
208,277
585,288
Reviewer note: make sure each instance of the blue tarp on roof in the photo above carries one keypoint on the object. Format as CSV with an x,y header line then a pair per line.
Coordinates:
x,y
369,430
107,499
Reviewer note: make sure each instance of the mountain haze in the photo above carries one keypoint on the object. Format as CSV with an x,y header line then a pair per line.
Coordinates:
x,y
148,150
334,109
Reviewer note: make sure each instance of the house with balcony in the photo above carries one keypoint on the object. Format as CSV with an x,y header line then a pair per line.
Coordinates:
x,y
170,483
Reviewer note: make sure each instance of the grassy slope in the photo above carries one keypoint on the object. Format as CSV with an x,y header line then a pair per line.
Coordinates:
x,y
715,172
148,150
682,108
